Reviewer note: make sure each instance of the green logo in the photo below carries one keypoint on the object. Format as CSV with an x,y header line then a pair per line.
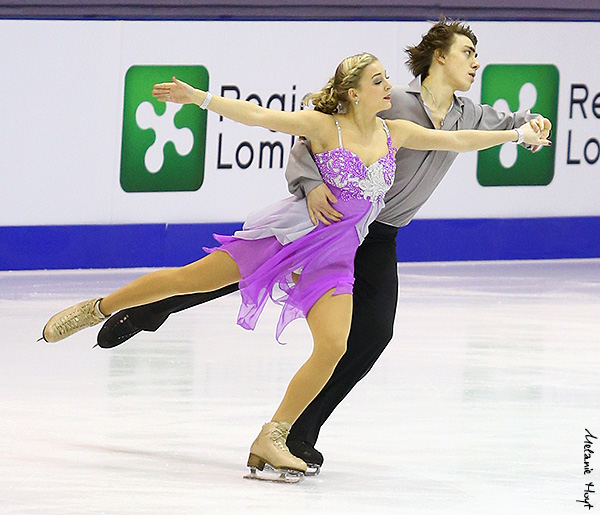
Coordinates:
x,y
163,143
517,87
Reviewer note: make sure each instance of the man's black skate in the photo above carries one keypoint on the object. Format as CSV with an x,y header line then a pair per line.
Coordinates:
x,y
117,330
125,324
306,452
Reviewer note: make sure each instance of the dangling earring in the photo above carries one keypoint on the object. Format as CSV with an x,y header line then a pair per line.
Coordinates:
x,y
356,102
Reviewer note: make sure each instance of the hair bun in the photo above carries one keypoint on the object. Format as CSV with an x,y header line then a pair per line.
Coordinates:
x,y
333,97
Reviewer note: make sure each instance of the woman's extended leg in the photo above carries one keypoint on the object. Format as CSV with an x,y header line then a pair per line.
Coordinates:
x,y
329,321
209,273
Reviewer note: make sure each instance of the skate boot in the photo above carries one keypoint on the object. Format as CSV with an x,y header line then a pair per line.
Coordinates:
x,y
307,453
71,320
117,330
269,454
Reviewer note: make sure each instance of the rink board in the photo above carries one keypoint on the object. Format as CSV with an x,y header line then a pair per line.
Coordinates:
x,y
67,146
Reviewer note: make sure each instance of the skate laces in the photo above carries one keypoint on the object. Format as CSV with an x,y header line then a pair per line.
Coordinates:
x,y
279,435
73,320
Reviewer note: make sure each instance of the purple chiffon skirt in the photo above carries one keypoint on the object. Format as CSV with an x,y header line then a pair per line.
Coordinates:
x,y
324,259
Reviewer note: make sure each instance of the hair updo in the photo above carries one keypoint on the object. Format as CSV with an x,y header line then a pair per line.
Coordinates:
x,y
333,97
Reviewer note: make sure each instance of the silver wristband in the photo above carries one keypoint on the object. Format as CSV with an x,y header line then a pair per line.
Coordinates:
x,y
208,98
521,136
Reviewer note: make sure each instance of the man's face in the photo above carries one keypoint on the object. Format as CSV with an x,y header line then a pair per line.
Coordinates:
x,y
461,63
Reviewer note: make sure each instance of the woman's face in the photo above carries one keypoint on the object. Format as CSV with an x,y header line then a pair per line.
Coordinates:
x,y
373,91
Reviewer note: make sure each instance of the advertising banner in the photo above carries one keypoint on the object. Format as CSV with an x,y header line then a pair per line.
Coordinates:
x,y
84,142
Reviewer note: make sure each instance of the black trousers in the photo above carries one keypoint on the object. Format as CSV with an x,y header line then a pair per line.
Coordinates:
x,y
374,310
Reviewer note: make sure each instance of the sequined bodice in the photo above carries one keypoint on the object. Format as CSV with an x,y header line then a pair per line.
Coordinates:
x,y
343,169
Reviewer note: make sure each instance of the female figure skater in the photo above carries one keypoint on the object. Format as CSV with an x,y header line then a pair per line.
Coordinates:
x,y
312,266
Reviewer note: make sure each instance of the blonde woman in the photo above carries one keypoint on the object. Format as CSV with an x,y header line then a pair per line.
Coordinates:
x,y
279,246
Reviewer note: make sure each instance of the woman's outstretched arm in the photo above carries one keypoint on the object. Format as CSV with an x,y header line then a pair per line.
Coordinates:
x,y
306,123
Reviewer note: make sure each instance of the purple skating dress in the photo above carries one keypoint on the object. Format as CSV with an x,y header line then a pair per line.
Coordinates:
x,y
281,239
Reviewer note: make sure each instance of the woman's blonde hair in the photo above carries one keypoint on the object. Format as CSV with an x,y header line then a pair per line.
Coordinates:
x,y
333,97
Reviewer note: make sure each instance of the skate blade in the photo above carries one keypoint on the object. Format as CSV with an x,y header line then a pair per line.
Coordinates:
x,y
275,475
312,469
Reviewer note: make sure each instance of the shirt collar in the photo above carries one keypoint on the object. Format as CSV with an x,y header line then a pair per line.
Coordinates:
x,y
414,86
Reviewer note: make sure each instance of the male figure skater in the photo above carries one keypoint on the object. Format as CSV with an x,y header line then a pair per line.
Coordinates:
x,y
445,61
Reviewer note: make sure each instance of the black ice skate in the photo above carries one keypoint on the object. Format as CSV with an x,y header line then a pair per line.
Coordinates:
x,y
307,453
117,330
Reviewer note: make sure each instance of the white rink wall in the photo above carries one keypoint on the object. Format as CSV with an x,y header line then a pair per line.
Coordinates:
x,y
62,118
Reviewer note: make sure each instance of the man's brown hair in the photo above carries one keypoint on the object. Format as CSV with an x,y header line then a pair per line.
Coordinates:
x,y
440,36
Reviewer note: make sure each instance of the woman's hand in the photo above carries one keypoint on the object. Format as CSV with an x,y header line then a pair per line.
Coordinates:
x,y
305,122
176,91
536,132
319,202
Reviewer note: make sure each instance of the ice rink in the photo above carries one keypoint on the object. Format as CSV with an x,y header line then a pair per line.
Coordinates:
x,y
479,405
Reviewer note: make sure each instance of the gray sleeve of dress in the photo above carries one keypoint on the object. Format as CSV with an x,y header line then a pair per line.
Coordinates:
x,y
301,173
486,117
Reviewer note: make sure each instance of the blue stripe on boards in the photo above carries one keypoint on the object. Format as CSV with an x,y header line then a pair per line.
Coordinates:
x,y
106,246
159,245
499,239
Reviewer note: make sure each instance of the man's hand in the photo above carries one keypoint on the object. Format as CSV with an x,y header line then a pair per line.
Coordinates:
x,y
319,202
541,124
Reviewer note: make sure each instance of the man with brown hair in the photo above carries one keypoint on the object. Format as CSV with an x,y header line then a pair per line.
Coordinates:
x,y
445,61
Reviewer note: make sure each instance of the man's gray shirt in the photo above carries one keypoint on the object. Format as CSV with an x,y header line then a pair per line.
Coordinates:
x,y
418,172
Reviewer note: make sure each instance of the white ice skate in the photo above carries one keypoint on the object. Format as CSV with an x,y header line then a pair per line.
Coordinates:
x,y
271,460
71,320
